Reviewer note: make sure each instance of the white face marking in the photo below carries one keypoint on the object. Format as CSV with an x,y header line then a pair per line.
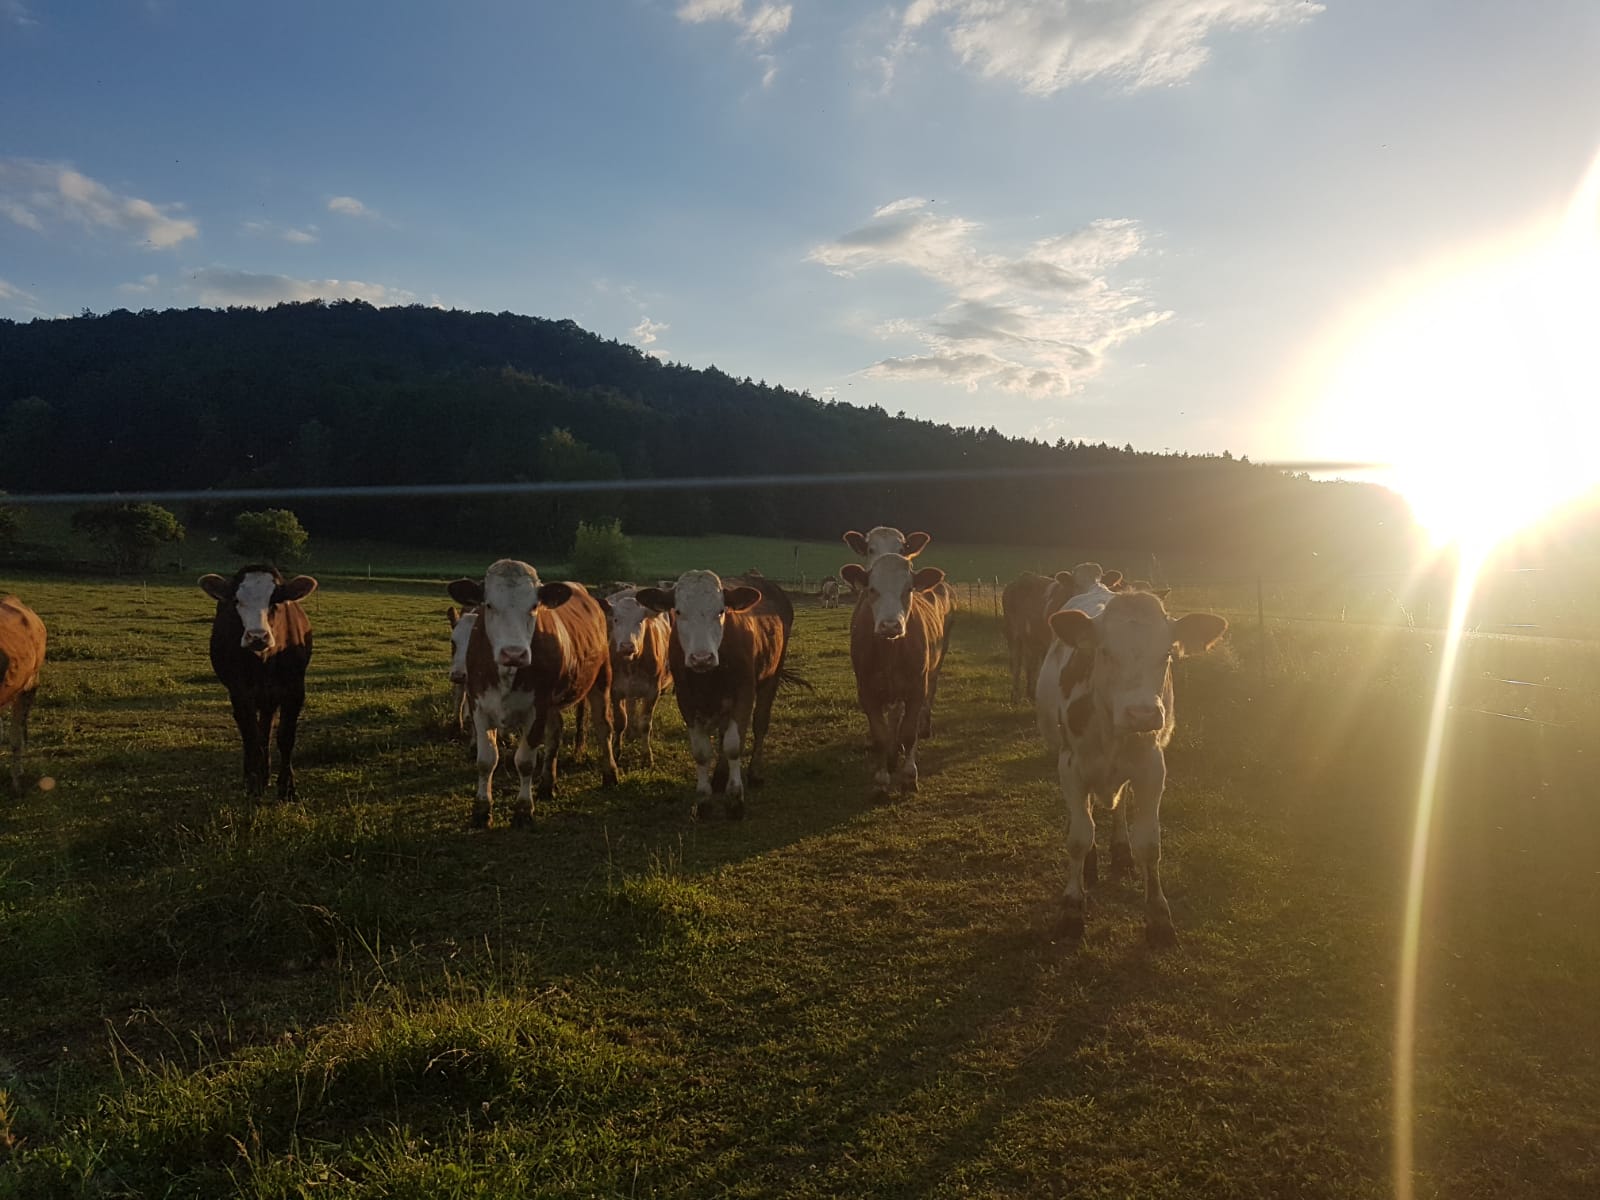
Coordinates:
x,y
510,598
459,637
885,539
253,600
697,601
627,618
888,594
1134,648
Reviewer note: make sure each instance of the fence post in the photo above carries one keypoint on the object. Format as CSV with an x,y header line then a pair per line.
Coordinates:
x,y
997,595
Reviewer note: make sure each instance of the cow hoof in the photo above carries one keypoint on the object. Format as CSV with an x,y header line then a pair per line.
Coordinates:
x,y
700,810
908,784
608,779
522,819
1091,869
479,819
1160,937
733,809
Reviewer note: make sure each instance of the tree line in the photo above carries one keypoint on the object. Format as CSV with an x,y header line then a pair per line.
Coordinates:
x,y
315,394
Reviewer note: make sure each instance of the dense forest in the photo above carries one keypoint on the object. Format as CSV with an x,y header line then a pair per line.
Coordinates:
x,y
345,393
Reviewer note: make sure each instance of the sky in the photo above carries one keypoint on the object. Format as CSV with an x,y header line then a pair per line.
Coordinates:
x,y
1113,220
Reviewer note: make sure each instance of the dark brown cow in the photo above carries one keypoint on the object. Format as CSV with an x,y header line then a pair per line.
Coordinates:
x,y
886,539
727,652
1027,635
260,647
639,668
897,641
535,650
22,639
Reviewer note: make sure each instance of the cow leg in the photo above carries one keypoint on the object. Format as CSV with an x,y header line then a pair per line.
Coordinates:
x,y
760,718
700,746
458,704
488,740
925,721
288,724
732,750
267,714
606,739
1121,850
551,729
644,719
912,720
883,743
579,744
255,773
19,736
1149,780
1080,841
1018,669
619,725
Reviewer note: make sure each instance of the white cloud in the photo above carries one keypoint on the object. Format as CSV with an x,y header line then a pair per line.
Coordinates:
x,y
351,207
759,24
146,283
227,286
646,331
37,194
15,297
299,237
15,12
1044,46
1040,321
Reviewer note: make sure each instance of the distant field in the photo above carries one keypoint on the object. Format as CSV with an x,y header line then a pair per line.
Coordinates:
x,y
357,997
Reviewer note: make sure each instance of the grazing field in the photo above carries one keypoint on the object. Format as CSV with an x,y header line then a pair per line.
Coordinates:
x,y
354,996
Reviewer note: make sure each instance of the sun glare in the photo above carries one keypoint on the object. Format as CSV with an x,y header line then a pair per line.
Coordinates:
x,y
1480,386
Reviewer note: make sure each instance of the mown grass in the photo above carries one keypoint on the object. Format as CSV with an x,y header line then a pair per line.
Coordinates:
x,y
357,997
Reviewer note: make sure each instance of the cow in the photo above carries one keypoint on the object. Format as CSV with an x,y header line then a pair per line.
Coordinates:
x,y
1105,709
535,650
22,646
897,642
729,641
461,623
885,539
1084,579
639,668
1027,635
830,592
260,648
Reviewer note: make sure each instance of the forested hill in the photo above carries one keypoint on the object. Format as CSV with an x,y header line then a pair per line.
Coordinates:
x,y
345,393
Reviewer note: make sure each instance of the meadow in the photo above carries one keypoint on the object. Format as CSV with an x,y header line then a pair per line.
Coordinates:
x,y
355,996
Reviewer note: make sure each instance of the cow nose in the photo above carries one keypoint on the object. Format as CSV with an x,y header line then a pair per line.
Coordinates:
x,y
256,641
1143,718
514,656
458,676
626,650
701,661
890,629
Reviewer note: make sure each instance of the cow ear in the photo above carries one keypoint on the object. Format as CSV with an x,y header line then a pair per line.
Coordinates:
x,y
1198,632
656,599
927,579
454,614
554,595
856,541
916,543
1065,579
297,588
740,599
1074,627
1112,580
1161,593
854,574
466,592
217,588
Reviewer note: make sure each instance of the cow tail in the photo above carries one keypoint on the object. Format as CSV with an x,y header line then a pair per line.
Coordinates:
x,y
794,678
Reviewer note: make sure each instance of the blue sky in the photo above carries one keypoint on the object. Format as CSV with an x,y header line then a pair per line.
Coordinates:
x,y
1122,221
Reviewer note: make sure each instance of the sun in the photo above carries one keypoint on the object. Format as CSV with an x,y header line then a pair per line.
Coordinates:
x,y
1479,386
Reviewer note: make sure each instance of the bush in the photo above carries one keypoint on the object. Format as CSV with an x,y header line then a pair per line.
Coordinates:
x,y
128,533
274,535
602,552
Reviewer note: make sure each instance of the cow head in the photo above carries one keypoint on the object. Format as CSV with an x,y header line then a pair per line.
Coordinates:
x,y
508,599
885,539
627,617
886,588
1082,577
461,625
1134,642
254,592
699,601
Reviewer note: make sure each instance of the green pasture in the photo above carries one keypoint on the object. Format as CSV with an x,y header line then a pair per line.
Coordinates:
x,y
356,997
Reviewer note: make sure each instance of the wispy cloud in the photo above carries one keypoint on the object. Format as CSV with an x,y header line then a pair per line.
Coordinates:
x,y
1044,46
270,229
351,207
145,285
646,331
229,286
12,296
760,25
1039,322
38,195
15,12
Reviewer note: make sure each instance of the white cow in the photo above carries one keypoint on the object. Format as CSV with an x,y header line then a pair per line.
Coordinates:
x,y
461,623
885,539
1105,709
830,592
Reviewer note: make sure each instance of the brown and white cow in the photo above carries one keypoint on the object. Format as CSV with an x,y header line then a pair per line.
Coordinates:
x,y
22,645
729,642
535,650
1085,579
1027,635
1105,709
885,539
260,648
897,643
639,668
461,624
830,592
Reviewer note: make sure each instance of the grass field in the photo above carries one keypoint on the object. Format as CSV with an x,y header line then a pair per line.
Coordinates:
x,y
354,996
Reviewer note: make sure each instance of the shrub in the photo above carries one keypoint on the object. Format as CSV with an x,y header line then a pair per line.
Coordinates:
x,y
128,534
274,535
602,552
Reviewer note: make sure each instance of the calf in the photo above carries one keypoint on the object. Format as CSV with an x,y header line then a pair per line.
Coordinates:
x,y
22,640
1105,709
830,592
260,648
639,668
727,651
1086,578
897,642
535,650
885,539
461,624
1027,635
